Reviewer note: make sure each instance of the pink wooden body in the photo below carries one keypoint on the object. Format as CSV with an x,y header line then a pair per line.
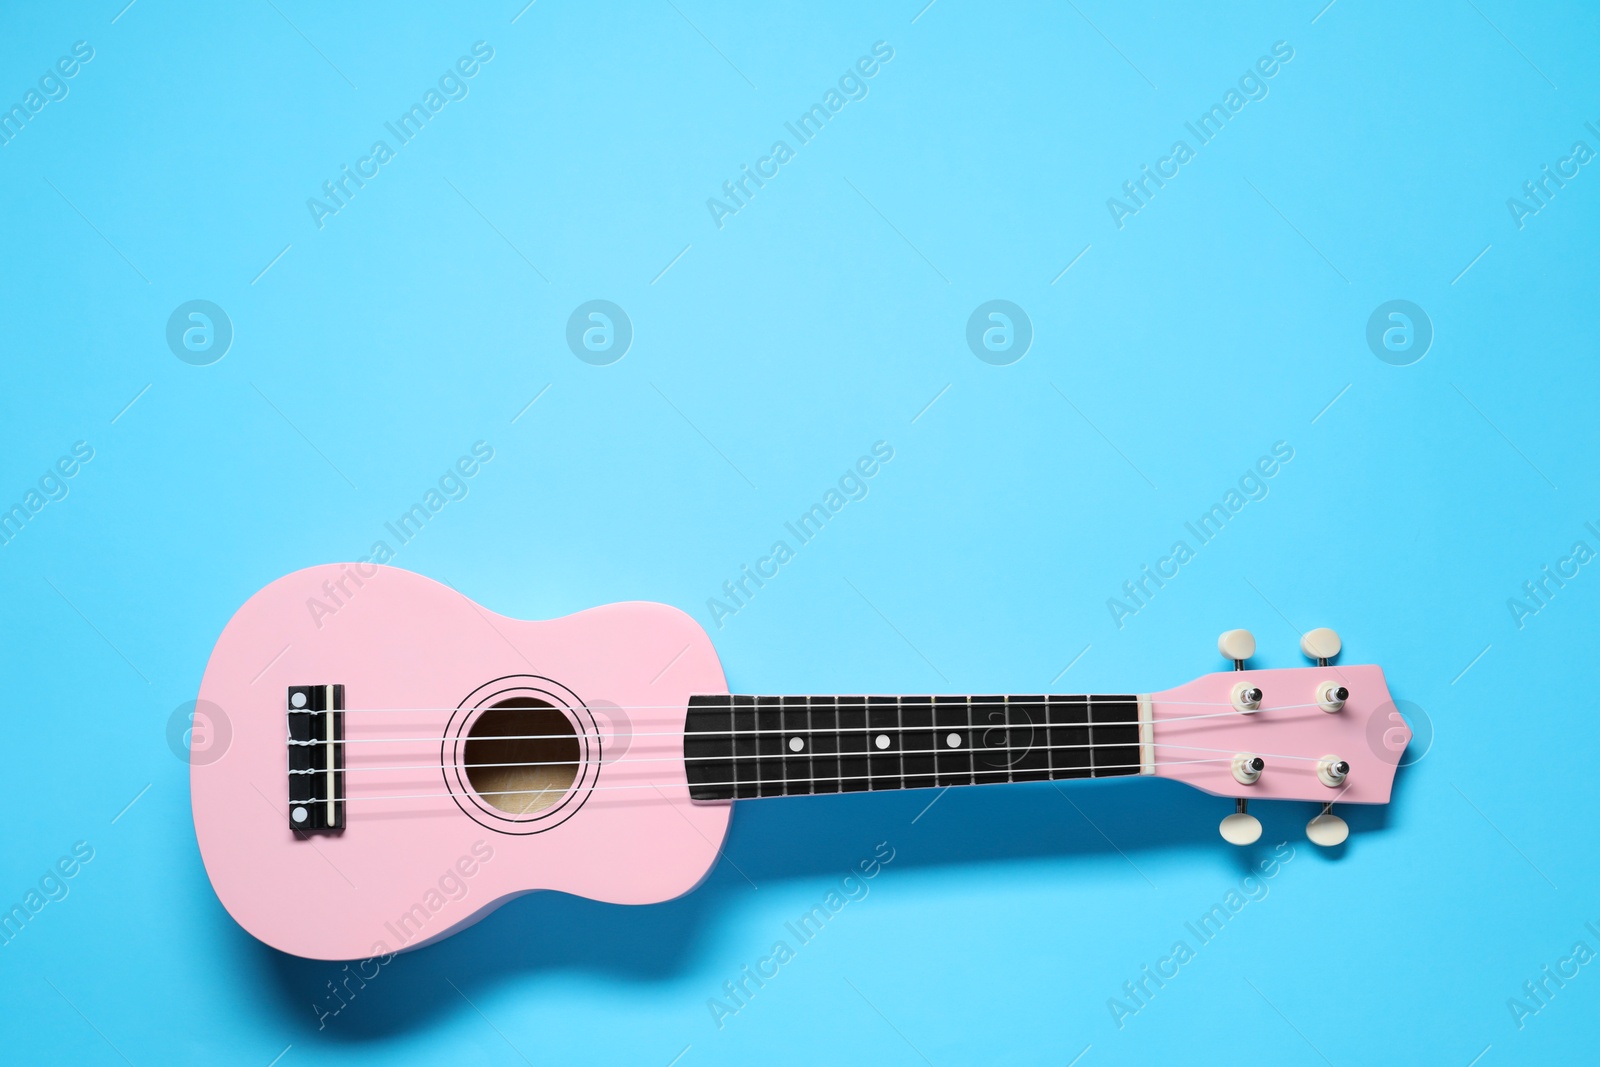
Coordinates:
x,y
398,876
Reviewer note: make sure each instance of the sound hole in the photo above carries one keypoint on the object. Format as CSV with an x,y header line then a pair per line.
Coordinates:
x,y
521,755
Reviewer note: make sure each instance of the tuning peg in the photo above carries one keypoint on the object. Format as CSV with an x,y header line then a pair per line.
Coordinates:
x,y
1327,829
1321,644
1240,828
1237,645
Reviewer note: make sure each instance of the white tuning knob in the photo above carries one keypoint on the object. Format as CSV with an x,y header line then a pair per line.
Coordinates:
x,y
1237,645
1240,828
1321,644
1327,829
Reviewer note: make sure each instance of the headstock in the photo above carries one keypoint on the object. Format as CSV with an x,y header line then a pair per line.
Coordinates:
x,y
1322,734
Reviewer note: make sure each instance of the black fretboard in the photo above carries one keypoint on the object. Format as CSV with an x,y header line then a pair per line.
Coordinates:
x,y
757,746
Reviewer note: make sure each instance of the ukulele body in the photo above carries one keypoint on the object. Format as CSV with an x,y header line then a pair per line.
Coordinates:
x,y
437,831
378,761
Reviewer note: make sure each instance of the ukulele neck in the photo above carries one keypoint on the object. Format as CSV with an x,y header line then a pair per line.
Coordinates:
x,y
739,747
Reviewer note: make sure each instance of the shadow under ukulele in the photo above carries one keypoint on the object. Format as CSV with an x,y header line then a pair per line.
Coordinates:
x,y
785,840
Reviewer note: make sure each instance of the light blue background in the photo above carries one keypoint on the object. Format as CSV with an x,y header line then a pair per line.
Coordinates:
x,y
1226,315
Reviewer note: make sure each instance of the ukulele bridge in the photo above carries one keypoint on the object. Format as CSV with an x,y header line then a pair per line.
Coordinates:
x,y
316,757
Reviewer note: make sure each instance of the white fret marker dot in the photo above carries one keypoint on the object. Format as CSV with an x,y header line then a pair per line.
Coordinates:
x,y
882,741
298,700
795,744
954,740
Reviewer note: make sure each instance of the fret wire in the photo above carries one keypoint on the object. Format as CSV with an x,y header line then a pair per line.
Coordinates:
x,y
1005,712
950,756
866,740
767,709
862,748
972,748
900,735
922,726
728,744
804,756
883,718
972,744
844,742
1089,718
810,749
814,759
959,708
840,738
870,747
785,710
753,739
807,749
819,755
946,769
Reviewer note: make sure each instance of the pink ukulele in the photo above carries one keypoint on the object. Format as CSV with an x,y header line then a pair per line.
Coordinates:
x,y
383,774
